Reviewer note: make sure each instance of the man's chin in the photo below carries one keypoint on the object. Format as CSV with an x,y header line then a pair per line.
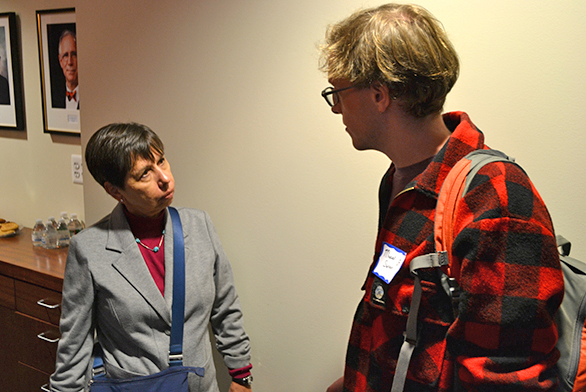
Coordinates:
x,y
358,146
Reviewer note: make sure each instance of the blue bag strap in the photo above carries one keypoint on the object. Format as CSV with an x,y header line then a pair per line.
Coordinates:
x,y
98,370
178,307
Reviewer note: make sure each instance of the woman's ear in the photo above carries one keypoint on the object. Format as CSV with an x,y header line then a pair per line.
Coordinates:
x,y
113,191
382,96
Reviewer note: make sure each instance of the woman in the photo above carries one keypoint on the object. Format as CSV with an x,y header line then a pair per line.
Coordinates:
x,y
115,286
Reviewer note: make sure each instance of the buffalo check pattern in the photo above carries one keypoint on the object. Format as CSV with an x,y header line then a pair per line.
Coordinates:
x,y
504,336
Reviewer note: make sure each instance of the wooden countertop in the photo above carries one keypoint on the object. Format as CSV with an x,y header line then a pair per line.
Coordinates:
x,y
19,259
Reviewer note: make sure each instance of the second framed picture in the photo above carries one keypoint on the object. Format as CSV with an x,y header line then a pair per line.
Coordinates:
x,y
58,63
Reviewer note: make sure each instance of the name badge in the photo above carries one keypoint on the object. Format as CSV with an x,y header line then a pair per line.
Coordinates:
x,y
389,262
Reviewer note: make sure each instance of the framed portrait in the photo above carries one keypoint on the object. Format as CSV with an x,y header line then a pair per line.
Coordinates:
x,y
58,63
11,104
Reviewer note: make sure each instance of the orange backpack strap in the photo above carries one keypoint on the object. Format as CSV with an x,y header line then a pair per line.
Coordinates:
x,y
454,187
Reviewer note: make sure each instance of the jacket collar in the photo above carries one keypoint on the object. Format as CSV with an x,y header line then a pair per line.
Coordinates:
x,y
119,233
466,137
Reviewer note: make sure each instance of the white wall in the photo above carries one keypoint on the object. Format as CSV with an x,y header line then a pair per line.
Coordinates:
x,y
232,87
35,173
252,142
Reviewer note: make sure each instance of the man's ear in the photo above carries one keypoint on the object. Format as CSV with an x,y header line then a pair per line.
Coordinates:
x,y
113,191
382,96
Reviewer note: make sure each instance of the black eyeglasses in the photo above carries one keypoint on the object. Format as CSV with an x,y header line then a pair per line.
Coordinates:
x,y
331,96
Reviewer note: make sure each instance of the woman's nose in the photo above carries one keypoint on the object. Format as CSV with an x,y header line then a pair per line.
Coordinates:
x,y
164,176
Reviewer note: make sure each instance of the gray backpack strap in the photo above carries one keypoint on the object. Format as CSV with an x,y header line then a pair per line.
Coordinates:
x,y
431,260
479,158
564,245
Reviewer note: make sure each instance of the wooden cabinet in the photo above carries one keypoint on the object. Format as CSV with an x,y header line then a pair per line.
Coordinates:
x,y
8,331
30,296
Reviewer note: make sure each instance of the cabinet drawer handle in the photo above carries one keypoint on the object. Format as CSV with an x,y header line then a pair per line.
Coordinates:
x,y
45,388
46,339
42,303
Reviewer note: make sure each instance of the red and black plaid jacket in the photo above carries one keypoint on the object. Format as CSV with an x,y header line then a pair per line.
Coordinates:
x,y
504,336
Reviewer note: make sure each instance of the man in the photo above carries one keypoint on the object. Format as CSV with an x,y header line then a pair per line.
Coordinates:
x,y
68,97
391,68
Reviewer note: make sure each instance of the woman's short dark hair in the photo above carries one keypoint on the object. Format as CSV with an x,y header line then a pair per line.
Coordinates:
x,y
111,151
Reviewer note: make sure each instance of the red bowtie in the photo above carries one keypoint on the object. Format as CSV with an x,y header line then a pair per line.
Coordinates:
x,y
71,95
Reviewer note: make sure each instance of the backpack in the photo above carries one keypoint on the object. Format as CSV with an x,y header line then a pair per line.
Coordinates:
x,y
570,317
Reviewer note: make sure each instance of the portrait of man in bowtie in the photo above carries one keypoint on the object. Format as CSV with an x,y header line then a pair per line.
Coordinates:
x,y
66,95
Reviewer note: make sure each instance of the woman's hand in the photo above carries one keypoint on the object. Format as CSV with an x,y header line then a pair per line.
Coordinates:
x,y
235,387
337,386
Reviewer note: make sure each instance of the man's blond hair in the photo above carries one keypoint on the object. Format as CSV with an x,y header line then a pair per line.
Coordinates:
x,y
402,46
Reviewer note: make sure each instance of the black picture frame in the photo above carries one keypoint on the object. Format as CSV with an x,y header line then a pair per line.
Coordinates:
x,y
56,27
11,97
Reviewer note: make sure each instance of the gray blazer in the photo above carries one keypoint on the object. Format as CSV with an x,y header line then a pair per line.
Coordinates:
x,y
108,290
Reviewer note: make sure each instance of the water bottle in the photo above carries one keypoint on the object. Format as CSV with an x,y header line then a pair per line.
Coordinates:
x,y
50,236
74,225
38,230
63,231
53,221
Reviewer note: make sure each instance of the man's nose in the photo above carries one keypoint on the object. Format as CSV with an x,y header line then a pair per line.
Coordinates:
x,y
336,108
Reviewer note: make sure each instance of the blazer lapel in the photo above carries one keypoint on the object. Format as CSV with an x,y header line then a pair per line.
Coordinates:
x,y
131,264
